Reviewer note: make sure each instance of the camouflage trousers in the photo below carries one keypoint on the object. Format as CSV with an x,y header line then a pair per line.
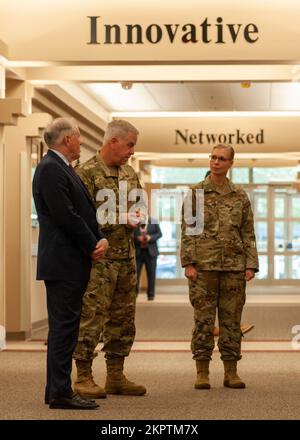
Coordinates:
x,y
108,307
225,292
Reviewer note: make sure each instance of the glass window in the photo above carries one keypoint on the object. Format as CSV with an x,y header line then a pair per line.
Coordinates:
x,y
263,267
295,267
177,174
279,267
260,205
276,174
261,231
166,207
240,175
293,243
279,234
166,266
279,202
166,203
168,242
295,205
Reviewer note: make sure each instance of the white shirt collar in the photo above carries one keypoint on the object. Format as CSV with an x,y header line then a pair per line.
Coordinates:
x,y
61,156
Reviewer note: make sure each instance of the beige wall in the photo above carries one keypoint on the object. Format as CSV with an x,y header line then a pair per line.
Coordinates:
x,y
15,143
38,293
2,244
17,221
86,153
280,133
58,22
2,259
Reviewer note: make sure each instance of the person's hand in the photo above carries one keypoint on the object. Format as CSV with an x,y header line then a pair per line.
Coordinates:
x,y
100,249
147,238
190,272
249,274
142,239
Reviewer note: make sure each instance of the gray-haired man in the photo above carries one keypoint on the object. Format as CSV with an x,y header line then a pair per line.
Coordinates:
x,y
110,298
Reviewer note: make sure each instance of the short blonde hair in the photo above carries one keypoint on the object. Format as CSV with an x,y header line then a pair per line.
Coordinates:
x,y
225,147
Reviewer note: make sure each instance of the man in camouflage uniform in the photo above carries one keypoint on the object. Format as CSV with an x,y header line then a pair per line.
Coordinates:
x,y
110,299
218,261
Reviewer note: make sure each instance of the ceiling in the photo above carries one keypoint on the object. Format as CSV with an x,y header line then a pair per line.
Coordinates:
x,y
196,96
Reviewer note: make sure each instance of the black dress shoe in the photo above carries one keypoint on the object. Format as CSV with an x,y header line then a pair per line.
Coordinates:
x,y
47,400
76,402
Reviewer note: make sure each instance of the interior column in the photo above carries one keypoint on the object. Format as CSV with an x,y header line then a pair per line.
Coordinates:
x,y
2,245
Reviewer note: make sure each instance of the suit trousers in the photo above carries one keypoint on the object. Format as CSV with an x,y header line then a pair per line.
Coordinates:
x,y
64,302
150,262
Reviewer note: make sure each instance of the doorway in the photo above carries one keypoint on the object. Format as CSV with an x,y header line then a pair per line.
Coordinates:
x,y
276,210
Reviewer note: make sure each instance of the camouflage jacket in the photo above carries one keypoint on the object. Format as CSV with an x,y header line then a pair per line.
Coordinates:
x,y
96,176
227,242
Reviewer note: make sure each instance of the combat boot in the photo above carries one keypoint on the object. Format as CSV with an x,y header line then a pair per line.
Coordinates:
x,y
117,383
202,382
85,385
231,379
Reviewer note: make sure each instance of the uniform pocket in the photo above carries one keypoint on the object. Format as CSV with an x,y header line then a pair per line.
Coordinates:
x,y
236,215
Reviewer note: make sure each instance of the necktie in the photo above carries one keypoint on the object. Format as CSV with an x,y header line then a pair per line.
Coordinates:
x,y
74,172
76,176
71,168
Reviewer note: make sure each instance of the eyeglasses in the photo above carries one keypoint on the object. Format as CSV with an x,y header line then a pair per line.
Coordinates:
x,y
220,158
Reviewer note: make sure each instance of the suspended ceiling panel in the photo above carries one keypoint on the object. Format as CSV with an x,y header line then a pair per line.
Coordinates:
x,y
205,96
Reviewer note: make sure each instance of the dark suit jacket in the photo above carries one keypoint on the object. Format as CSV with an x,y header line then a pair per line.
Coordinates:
x,y
67,218
154,231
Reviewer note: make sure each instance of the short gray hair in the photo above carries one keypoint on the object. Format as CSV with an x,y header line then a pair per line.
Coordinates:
x,y
225,147
118,128
58,128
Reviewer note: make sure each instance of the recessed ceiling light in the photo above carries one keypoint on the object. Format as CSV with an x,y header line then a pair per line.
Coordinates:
x,y
126,85
246,84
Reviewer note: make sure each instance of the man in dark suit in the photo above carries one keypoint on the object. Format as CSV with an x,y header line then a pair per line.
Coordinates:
x,y
69,240
145,239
